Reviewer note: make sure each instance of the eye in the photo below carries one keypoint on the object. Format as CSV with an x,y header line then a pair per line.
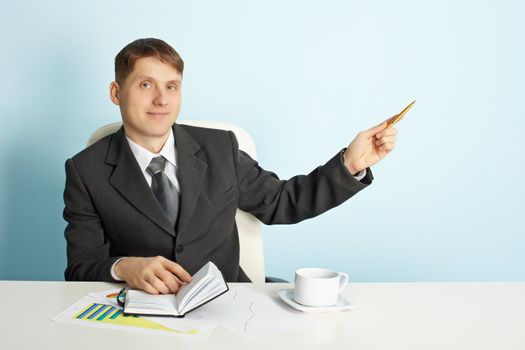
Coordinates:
x,y
172,87
146,84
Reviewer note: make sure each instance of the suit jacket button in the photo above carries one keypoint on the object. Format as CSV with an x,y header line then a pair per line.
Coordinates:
x,y
179,249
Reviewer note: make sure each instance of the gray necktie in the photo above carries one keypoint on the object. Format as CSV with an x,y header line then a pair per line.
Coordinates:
x,y
163,189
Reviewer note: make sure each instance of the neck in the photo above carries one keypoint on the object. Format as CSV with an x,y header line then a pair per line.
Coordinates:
x,y
152,144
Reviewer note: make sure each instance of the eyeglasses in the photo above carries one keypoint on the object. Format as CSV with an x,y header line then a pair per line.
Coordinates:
x,y
121,294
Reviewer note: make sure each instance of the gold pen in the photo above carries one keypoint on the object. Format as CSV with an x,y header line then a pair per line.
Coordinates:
x,y
400,115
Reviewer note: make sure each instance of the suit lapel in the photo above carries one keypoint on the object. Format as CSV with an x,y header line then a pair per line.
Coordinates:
x,y
128,180
190,174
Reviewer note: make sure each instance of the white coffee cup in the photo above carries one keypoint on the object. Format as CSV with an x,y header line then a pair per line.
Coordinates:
x,y
318,287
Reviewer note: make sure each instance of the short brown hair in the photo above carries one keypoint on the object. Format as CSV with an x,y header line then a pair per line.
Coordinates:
x,y
149,47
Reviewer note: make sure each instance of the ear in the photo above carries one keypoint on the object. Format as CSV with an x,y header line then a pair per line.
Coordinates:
x,y
114,92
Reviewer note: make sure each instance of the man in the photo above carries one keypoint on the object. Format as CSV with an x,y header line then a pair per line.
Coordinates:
x,y
153,202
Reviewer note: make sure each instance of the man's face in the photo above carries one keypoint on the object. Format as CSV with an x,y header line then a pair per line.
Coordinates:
x,y
149,101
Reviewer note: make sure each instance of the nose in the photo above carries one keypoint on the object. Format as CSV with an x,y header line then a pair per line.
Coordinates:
x,y
160,98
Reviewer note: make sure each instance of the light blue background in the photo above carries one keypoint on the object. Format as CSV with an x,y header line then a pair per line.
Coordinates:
x,y
303,77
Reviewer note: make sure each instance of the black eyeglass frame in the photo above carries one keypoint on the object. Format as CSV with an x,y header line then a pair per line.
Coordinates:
x,y
121,294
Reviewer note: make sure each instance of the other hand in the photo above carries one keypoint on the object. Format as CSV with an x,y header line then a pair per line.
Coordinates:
x,y
369,147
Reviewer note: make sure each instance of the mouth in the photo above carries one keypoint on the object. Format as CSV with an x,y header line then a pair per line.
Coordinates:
x,y
157,114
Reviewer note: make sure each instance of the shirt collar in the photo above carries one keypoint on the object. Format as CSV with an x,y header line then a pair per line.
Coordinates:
x,y
144,156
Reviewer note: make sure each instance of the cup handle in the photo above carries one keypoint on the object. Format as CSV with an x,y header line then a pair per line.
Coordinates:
x,y
343,280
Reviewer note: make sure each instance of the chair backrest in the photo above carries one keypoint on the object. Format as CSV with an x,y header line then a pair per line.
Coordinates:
x,y
250,230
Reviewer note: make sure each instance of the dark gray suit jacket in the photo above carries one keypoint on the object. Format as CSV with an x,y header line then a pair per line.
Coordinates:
x,y
112,212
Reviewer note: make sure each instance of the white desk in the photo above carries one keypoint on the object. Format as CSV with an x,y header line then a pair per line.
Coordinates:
x,y
404,316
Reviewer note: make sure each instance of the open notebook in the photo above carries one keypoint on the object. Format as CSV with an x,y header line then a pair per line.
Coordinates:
x,y
206,285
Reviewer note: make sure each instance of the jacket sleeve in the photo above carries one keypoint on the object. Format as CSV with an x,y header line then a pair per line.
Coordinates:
x,y
87,249
275,201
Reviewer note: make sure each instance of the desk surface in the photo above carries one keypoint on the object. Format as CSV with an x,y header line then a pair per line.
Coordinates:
x,y
389,316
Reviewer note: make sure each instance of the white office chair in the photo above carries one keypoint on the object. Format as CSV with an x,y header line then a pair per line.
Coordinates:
x,y
250,233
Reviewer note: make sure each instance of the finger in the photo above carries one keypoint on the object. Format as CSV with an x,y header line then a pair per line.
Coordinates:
x,y
387,147
148,288
387,132
385,139
178,280
156,283
170,280
177,270
374,130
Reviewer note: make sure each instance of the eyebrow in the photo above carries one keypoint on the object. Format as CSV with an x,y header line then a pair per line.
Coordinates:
x,y
145,77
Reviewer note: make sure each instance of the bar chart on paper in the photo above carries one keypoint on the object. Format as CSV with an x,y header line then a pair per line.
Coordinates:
x,y
104,312
112,315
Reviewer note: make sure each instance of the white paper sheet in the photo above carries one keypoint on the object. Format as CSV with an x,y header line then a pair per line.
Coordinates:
x,y
252,314
94,312
241,310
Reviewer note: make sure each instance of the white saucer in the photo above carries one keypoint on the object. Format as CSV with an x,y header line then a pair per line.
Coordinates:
x,y
287,295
